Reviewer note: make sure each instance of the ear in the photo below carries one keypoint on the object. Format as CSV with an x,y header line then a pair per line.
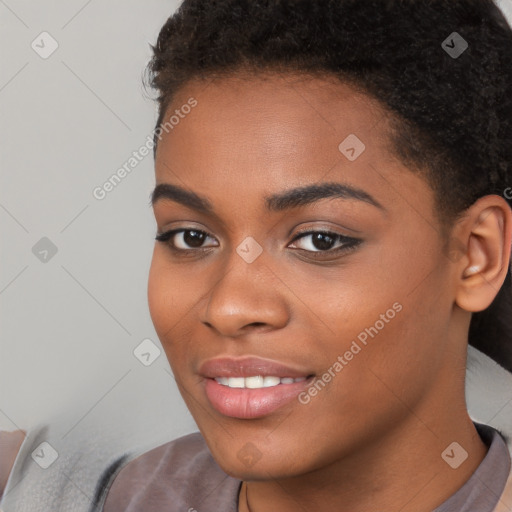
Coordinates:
x,y
484,236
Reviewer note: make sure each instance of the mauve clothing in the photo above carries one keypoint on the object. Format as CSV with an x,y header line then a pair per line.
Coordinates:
x,y
182,476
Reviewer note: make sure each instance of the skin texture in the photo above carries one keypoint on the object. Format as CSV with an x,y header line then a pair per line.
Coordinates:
x,y
385,419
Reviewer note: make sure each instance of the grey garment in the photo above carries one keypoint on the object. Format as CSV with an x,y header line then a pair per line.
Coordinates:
x,y
483,489
58,474
182,476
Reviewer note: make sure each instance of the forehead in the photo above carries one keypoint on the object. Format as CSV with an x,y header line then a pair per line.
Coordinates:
x,y
276,116
254,135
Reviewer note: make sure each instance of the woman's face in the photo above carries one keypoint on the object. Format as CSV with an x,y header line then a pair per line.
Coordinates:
x,y
366,309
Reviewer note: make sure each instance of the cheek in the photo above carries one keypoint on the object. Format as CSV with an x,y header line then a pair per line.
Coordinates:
x,y
401,358
156,291
387,332
162,302
164,292
173,298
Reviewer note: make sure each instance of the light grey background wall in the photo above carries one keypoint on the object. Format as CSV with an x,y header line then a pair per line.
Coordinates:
x,y
70,321
73,268
506,7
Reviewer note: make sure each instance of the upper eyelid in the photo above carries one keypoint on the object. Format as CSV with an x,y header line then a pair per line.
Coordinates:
x,y
307,231
339,237
298,235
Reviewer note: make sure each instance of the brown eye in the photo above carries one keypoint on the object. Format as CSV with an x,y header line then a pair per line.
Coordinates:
x,y
324,241
185,239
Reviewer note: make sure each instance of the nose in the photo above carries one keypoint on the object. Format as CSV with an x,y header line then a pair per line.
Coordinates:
x,y
247,297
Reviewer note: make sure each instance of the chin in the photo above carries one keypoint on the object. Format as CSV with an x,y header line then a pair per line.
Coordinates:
x,y
246,461
260,472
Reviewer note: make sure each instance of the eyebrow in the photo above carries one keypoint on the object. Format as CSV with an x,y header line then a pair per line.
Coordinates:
x,y
292,198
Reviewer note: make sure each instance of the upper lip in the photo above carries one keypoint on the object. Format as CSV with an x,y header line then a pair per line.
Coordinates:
x,y
248,367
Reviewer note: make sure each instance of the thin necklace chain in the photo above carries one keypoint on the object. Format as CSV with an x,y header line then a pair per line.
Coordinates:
x,y
246,497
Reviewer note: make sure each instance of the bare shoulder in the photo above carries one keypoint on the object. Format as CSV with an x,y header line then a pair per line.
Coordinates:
x,y
10,443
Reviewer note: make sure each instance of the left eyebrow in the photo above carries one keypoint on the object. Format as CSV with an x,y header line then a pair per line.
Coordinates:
x,y
308,194
292,198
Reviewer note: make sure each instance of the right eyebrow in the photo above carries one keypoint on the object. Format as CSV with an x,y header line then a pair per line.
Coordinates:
x,y
182,196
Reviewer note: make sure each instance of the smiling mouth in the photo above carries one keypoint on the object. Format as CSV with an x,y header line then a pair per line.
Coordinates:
x,y
253,396
258,381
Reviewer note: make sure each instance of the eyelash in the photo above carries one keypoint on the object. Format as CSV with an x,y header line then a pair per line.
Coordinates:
x,y
349,244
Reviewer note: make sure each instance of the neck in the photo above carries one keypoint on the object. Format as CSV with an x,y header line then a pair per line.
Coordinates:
x,y
402,470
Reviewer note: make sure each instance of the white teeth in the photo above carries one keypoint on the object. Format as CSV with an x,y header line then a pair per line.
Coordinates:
x,y
236,382
269,382
256,381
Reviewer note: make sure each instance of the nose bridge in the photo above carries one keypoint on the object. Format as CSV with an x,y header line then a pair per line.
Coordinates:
x,y
247,293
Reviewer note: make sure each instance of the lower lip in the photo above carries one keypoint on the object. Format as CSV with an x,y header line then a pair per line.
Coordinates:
x,y
247,403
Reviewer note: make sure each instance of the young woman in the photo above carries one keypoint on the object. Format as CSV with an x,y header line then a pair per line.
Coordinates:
x,y
334,227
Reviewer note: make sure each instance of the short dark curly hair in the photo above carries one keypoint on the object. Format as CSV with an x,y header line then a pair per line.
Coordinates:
x,y
450,116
